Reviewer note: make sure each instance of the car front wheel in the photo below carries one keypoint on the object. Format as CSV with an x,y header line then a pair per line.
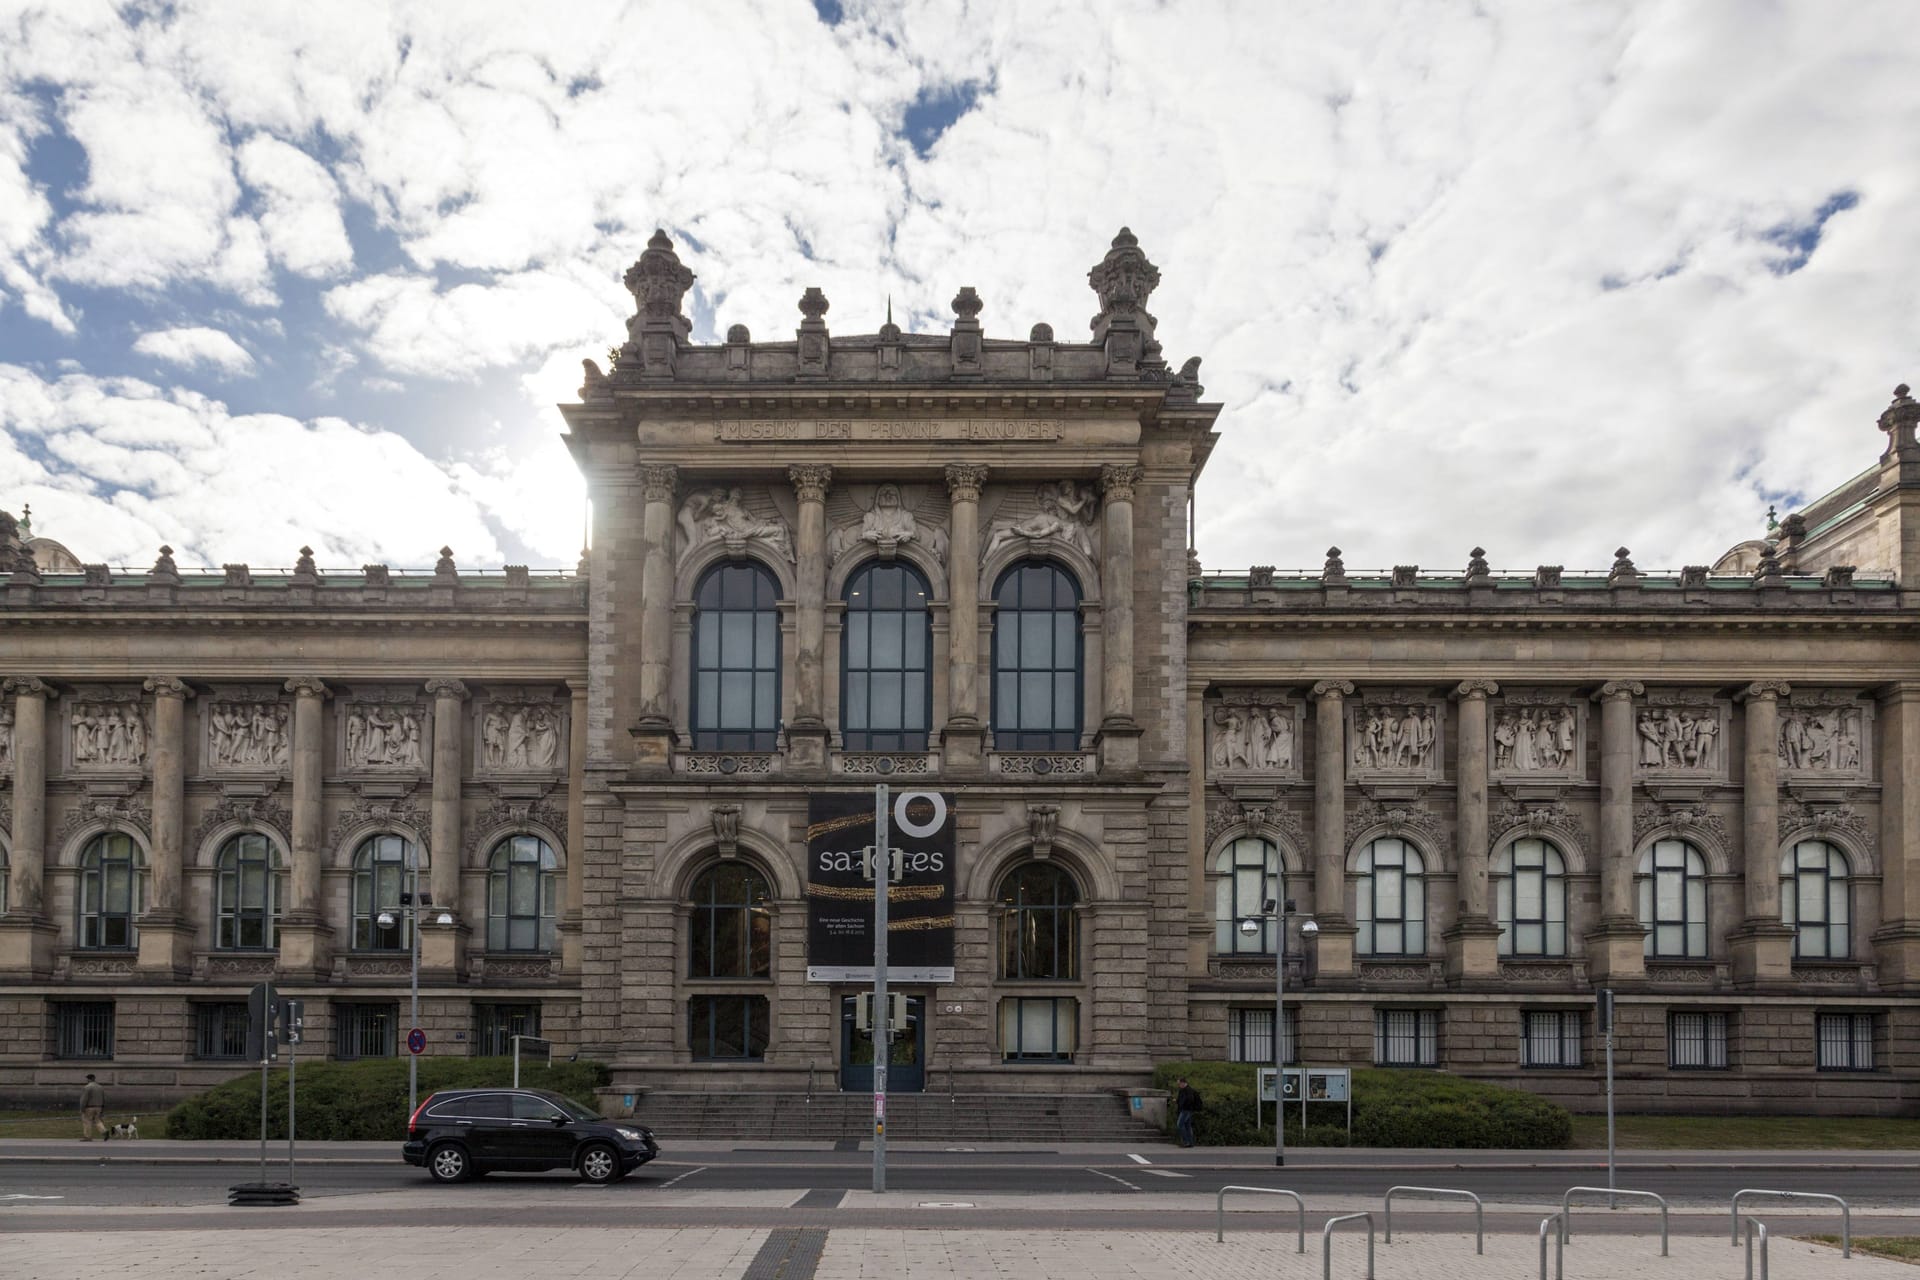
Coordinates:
x,y
599,1163
449,1162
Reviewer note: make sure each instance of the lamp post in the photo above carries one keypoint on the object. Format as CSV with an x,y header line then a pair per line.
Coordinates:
x,y
1278,912
410,902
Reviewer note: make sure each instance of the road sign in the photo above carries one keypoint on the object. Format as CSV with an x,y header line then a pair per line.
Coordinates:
x,y
416,1041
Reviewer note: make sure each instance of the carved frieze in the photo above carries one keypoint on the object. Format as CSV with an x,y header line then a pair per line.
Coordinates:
x,y
713,763
1546,821
1825,735
508,816
1697,975
885,518
1401,973
1686,820
1414,820
385,731
881,763
114,811
1557,974
1680,733
1062,512
1538,736
248,735
108,729
1255,731
1260,820
253,811
1036,764
1394,733
400,815
736,518
1818,822
521,731
253,967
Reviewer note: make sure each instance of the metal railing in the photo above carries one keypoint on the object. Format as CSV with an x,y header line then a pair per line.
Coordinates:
x,y
1479,1212
1846,1214
1755,1225
1559,1244
1220,1212
1566,1209
1326,1243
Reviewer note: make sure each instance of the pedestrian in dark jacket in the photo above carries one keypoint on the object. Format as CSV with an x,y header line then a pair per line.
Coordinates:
x,y
93,1101
1186,1105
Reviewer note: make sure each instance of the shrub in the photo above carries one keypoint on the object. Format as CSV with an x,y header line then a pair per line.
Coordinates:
x,y
1390,1109
361,1101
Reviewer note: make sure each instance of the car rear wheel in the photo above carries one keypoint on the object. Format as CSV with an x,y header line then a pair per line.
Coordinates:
x,y
449,1162
599,1163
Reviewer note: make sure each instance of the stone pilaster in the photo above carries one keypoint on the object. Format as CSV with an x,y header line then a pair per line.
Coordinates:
x,y
574,898
1615,949
166,934
27,937
1119,737
653,730
443,946
1896,943
304,932
1473,941
963,735
807,731
1762,946
1335,944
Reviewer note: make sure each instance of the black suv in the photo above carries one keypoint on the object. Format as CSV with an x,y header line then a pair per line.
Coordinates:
x,y
460,1133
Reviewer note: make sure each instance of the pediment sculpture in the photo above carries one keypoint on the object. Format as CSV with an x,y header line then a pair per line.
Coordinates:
x,y
722,514
886,526
1064,510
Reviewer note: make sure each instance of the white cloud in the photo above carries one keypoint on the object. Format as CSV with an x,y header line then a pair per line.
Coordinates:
x,y
412,327
196,346
301,218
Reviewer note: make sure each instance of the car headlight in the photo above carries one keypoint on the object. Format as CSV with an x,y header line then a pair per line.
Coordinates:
x,y
632,1135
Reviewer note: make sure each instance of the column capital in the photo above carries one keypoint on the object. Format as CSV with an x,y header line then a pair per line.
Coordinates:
x,y
1481,689
810,480
167,687
1335,689
964,480
657,481
308,687
31,686
1619,690
446,687
1764,691
1116,482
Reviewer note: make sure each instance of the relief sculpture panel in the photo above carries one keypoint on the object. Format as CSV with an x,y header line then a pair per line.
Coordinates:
x,y
1394,733
384,733
1825,735
731,516
109,731
1681,734
1063,511
249,735
891,517
1538,735
521,734
1252,731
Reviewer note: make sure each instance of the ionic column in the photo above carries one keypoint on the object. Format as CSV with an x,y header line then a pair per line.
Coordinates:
x,y
1617,950
1335,944
26,893
1119,734
1762,947
1896,943
169,792
656,597
807,734
575,899
962,734
1473,940
443,858
310,695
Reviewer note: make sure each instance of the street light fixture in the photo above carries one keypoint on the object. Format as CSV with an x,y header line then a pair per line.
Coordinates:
x,y
1308,929
410,903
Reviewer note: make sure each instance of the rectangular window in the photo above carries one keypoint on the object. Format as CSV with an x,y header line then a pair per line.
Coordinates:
x,y
83,1029
1406,1037
495,1026
365,1031
1697,1041
1250,1036
220,1031
1043,1029
1845,1041
727,1028
1550,1038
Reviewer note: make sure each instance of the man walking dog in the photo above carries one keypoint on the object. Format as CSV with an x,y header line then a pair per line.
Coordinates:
x,y
93,1101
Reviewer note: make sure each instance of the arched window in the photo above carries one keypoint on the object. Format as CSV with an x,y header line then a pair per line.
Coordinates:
x,y
1530,892
6,871
1391,897
383,869
736,659
1673,900
1248,872
1036,659
109,892
732,923
1814,878
520,895
246,894
1039,928
886,697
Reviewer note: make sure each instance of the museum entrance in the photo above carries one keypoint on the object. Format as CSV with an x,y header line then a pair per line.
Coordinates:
x,y
906,1069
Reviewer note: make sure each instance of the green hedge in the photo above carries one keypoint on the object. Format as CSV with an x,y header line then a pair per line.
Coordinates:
x,y
1390,1109
361,1101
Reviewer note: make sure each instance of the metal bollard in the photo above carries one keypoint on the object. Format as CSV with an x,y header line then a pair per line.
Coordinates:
x,y
1846,1214
1566,1209
1479,1212
1753,1225
1220,1213
1326,1243
1559,1245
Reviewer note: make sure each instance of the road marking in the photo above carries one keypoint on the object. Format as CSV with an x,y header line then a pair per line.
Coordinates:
x,y
1115,1178
944,1204
683,1177
1166,1173
1138,1159
20,1195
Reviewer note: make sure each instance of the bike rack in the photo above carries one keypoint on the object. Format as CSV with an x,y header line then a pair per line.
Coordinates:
x,y
1220,1212
1846,1214
1753,1225
1479,1215
1559,1244
1566,1209
1326,1243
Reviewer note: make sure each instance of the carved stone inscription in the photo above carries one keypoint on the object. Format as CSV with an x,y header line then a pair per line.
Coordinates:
x,y
248,735
751,430
385,735
520,737
1677,735
1823,740
1397,737
110,734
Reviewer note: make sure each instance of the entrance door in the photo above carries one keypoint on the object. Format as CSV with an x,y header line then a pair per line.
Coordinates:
x,y
906,1070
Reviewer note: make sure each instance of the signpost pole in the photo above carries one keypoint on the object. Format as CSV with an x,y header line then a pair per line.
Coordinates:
x,y
516,1062
882,1022
413,987
289,1024
1603,1010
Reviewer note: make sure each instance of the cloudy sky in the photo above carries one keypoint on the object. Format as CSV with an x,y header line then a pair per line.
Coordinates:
x,y
1548,277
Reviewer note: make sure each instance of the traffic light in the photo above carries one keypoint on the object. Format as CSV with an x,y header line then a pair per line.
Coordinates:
x,y
1603,1011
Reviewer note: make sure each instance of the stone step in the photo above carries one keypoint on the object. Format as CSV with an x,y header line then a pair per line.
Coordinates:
x,y
932,1117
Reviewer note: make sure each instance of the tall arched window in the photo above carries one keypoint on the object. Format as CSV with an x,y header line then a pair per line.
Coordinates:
x,y
382,871
246,897
732,923
109,892
1530,892
1814,879
1036,659
736,659
1248,872
1039,927
1391,899
1673,900
886,697
520,895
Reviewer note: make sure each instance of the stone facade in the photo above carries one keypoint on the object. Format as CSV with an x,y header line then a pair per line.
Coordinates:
x,y
1495,793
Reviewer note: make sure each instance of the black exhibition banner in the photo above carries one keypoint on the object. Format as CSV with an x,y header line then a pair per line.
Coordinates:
x,y
840,839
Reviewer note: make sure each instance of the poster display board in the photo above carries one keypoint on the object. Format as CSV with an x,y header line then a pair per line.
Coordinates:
x,y
840,878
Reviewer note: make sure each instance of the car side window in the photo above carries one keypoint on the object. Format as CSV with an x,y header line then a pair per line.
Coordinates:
x,y
484,1106
528,1107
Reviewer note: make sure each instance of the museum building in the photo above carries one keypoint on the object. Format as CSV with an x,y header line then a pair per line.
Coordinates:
x,y
961,567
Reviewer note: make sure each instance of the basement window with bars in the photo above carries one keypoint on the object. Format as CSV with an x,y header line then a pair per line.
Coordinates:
x,y
220,1032
1845,1041
1406,1037
1250,1036
495,1026
1549,1038
1697,1041
83,1029
365,1031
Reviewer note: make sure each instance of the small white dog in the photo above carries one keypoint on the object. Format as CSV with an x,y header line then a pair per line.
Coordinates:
x,y
125,1129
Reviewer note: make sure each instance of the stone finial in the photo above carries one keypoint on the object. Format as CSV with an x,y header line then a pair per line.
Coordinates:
x,y
1334,572
26,519
813,347
1767,573
738,335
592,381
967,346
1193,562
164,569
377,575
238,575
582,569
1899,419
659,281
1546,577
814,305
1260,576
1838,577
1623,574
1042,332
1477,567
1794,527
1406,575
1123,280
967,304
1694,576
304,570
443,567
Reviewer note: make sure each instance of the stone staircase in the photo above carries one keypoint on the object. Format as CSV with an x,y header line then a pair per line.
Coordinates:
x,y
915,1117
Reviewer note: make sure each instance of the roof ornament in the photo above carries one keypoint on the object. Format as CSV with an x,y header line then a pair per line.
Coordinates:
x,y
658,281
1898,421
1123,281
